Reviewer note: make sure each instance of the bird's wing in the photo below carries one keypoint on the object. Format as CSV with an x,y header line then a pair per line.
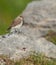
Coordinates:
x,y
14,23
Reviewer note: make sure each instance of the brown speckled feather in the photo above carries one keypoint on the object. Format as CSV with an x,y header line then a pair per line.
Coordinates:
x,y
15,22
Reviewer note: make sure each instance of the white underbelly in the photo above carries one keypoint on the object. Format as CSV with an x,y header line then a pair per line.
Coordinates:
x,y
17,27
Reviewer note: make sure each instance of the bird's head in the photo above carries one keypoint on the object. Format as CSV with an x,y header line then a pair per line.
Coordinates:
x,y
19,18
22,18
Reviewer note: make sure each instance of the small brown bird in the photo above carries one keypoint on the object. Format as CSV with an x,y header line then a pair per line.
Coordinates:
x,y
17,23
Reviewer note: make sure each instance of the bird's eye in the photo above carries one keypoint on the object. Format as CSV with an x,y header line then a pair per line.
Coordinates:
x,y
21,18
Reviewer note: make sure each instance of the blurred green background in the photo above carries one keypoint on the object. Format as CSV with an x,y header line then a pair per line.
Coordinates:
x,y
9,9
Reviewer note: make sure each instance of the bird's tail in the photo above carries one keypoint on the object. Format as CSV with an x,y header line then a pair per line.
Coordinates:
x,y
8,28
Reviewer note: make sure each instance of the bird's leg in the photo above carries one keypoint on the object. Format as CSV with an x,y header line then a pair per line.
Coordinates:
x,y
15,30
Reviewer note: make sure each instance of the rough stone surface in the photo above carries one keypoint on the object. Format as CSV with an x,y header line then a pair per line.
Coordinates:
x,y
39,18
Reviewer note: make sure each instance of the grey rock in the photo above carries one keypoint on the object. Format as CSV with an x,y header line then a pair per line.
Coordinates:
x,y
46,47
39,18
37,12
